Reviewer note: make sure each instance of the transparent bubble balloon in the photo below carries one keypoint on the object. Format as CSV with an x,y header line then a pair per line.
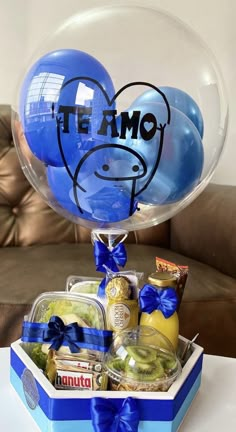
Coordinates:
x,y
121,116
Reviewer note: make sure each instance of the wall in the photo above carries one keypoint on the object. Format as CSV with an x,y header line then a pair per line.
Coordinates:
x,y
23,24
13,46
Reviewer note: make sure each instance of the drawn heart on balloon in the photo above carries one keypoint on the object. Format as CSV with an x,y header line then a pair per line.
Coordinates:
x,y
110,166
148,126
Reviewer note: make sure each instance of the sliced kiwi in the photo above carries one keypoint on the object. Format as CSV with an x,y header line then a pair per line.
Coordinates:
x,y
143,367
167,360
145,371
159,370
117,364
142,354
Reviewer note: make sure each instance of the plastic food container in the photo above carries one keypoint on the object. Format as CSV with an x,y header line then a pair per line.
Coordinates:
x,y
70,308
83,284
141,359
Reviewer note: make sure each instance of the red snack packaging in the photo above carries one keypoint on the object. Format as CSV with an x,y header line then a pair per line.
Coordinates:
x,y
181,273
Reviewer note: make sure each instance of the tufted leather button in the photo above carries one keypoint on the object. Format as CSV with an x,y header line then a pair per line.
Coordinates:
x,y
15,211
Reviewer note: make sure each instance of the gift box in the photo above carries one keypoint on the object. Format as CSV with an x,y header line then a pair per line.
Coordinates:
x,y
74,410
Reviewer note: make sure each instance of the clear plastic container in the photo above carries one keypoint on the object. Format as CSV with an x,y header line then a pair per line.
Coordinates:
x,y
70,307
66,367
141,359
83,284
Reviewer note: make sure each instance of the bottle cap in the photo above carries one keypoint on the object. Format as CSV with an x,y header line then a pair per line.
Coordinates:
x,y
162,279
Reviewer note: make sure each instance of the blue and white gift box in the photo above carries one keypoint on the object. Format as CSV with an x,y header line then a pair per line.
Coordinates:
x,y
103,411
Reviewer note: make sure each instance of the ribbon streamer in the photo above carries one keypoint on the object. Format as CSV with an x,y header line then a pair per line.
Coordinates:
x,y
57,333
102,288
107,418
112,259
152,298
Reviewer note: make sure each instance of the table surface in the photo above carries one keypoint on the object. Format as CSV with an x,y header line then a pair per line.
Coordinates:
x,y
213,409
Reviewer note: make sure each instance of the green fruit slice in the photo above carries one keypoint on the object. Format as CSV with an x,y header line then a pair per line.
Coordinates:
x,y
167,360
117,364
141,368
141,354
159,370
145,371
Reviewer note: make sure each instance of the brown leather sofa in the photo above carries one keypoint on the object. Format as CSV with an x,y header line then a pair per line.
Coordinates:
x,y
39,249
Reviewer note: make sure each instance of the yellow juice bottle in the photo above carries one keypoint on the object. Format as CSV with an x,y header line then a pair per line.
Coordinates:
x,y
168,326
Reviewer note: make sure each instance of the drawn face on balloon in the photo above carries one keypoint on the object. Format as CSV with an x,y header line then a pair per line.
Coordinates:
x,y
99,186
106,163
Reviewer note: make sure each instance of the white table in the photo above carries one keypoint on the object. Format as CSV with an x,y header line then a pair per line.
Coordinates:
x,y
213,409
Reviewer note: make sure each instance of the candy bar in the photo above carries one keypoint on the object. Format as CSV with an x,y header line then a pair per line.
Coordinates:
x,y
75,373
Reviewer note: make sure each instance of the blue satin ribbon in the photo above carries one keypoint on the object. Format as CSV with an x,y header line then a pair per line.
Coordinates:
x,y
57,333
107,418
102,288
112,259
152,298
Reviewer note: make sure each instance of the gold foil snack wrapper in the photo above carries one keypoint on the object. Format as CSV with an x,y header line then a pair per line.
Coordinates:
x,y
71,372
180,272
122,314
118,288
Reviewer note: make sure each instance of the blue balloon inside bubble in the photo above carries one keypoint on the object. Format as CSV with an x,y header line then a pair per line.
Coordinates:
x,y
173,156
90,188
178,99
101,164
161,165
61,104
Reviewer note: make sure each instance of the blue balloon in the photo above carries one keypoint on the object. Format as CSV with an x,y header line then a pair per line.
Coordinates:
x,y
177,99
173,157
61,104
92,189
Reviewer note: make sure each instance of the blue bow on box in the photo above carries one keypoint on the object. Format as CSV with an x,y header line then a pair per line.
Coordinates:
x,y
152,298
57,333
107,418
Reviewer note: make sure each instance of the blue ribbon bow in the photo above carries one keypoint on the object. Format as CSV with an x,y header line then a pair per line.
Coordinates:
x,y
107,418
152,298
72,335
112,259
57,333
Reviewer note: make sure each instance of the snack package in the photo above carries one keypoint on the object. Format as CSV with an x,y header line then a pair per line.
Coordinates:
x,y
181,273
127,277
68,372
121,291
